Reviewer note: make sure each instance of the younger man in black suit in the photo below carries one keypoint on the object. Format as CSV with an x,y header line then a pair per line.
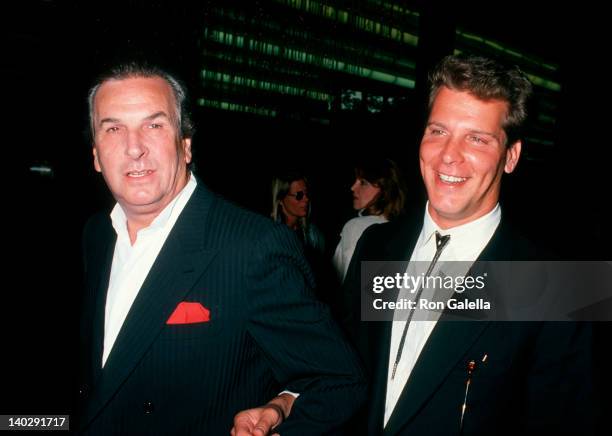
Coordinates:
x,y
526,377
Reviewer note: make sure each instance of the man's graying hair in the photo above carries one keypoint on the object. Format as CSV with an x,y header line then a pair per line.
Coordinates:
x,y
130,70
486,79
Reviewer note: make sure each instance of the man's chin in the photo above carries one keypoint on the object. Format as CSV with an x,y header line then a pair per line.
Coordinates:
x,y
446,212
445,206
140,204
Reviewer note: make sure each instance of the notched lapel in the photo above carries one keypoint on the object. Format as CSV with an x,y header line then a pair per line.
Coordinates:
x,y
448,343
97,287
182,260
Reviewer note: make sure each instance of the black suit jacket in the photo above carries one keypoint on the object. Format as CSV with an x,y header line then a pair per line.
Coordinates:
x,y
266,332
537,376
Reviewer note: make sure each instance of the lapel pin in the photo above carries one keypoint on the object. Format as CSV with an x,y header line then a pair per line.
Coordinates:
x,y
471,367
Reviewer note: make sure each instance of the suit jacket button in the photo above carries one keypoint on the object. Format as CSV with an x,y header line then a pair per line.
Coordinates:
x,y
148,407
83,391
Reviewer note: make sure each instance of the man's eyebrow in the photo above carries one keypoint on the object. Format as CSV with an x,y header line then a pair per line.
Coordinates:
x,y
473,131
108,120
147,118
482,132
156,115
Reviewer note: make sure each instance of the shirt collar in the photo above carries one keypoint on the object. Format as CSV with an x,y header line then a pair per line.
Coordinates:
x,y
167,215
467,240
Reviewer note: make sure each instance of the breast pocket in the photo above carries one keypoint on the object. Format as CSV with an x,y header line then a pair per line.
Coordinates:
x,y
191,331
490,382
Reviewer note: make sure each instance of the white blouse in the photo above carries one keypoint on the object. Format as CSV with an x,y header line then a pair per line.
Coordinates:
x,y
351,232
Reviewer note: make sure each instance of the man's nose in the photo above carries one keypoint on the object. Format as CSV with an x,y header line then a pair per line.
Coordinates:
x,y
452,151
135,145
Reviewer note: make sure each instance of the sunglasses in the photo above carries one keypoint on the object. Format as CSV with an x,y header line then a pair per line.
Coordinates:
x,y
299,195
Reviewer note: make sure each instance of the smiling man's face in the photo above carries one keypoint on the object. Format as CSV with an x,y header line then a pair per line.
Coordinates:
x,y
463,156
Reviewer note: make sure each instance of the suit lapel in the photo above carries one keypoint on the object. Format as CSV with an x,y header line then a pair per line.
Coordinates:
x,y
101,280
380,352
399,249
446,346
98,258
180,263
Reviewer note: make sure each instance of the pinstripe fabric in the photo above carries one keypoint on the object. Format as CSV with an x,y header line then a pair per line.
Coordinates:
x,y
266,333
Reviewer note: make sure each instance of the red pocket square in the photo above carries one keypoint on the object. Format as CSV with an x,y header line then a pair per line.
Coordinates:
x,y
189,313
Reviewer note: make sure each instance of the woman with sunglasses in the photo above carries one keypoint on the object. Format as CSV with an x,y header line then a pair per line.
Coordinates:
x,y
291,206
379,195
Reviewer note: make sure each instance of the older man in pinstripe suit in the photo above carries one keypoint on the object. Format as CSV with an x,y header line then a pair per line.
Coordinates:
x,y
194,308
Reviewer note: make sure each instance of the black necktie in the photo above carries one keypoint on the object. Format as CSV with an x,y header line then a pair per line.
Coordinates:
x,y
441,242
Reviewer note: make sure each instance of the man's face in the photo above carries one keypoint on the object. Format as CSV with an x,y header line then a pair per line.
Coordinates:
x,y
463,156
135,145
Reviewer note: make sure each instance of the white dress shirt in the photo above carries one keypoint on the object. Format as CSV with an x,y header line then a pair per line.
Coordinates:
x,y
132,263
466,243
351,232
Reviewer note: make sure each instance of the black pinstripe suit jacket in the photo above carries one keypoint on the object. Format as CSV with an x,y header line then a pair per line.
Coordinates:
x,y
266,333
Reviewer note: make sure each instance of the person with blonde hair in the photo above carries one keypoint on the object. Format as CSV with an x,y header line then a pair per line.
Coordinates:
x,y
291,206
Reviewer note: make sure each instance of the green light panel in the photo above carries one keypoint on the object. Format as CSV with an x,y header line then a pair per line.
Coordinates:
x,y
302,56
236,107
359,22
263,85
281,55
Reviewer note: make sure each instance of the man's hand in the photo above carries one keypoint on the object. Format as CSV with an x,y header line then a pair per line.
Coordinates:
x,y
260,421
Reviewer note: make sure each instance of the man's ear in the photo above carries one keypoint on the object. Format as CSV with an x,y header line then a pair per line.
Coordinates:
x,y
96,161
513,153
186,144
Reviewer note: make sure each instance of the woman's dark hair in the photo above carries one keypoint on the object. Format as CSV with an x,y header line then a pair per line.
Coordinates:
x,y
386,175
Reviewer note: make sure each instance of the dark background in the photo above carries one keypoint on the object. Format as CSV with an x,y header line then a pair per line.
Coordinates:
x,y
51,50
